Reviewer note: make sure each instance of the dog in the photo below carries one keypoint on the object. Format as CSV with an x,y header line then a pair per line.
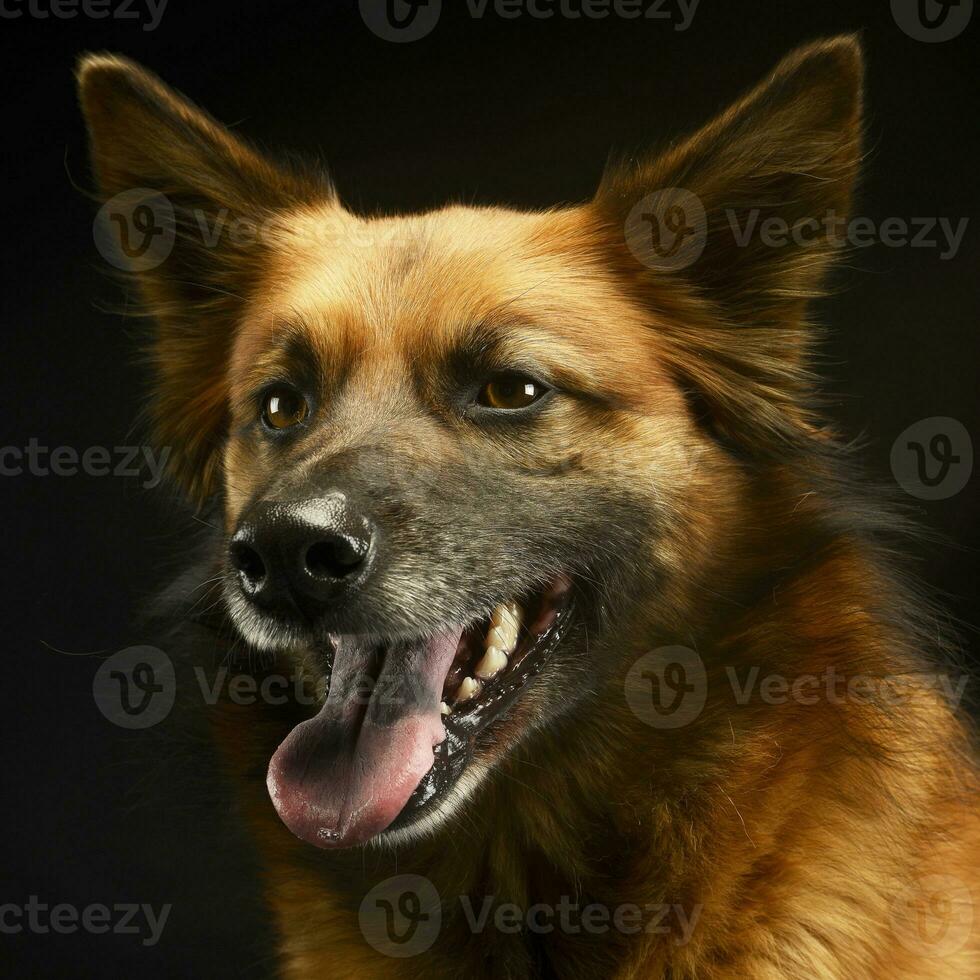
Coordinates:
x,y
523,502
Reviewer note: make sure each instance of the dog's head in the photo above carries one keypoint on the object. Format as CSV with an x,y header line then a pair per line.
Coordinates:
x,y
468,459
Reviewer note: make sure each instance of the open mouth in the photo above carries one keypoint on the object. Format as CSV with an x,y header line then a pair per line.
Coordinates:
x,y
401,719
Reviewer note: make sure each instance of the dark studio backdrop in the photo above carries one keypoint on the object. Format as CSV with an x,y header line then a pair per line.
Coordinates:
x,y
521,111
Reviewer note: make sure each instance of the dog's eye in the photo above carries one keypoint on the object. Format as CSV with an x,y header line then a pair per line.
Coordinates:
x,y
283,407
510,392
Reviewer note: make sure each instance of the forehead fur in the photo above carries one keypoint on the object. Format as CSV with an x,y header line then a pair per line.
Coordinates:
x,y
417,286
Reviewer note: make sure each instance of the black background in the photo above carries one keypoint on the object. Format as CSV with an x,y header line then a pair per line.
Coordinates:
x,y
521,112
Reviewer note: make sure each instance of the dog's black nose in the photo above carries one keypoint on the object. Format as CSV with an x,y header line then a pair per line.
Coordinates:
x,y
305,553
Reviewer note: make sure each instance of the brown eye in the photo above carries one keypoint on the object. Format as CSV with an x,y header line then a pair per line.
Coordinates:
x,y
284,407
515,391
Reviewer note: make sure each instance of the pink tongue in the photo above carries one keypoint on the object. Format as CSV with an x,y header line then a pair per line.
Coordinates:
x,y
342,777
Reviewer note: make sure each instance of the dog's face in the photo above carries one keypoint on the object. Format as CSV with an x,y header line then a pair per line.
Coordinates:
x,y
466,459
443,469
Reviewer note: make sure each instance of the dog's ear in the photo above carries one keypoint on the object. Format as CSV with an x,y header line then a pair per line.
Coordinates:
x,y
729,232
185,205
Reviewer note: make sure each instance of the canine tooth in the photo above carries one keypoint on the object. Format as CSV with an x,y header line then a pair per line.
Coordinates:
x,y
506,610
491,663
505,624
503,638
468,689
444,708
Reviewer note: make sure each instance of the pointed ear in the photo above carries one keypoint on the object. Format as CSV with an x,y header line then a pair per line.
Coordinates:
x,y
185,204
729,232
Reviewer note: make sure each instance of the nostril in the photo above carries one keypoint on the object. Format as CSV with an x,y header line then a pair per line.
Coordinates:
x,y
248,561
333,559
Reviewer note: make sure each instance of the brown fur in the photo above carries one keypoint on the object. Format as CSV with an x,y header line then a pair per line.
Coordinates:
x,y
802,831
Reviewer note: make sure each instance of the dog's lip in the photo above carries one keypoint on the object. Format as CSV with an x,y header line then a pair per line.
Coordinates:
x,y
543,609
501,692
452,756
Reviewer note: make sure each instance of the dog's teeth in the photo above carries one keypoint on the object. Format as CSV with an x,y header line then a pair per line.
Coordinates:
x,y
505,624
491,663
506,611
444,708
469,688
503,638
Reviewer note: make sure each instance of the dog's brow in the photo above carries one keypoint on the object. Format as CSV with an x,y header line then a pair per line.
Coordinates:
x,y
475,344
291,341
485,346
521,346
288,350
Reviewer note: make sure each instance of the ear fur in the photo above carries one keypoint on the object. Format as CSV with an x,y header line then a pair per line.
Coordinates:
x,y
159,157
733,307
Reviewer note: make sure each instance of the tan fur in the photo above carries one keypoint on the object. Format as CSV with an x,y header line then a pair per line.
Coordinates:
x,y
802,832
